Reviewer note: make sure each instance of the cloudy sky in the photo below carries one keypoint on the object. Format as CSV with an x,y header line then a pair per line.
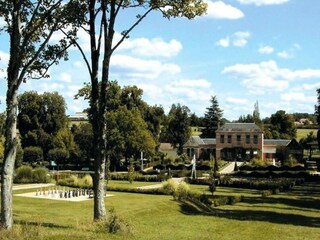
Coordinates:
x,y
241,51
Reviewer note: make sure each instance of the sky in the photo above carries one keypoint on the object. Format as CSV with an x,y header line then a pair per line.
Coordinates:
x,y
241,51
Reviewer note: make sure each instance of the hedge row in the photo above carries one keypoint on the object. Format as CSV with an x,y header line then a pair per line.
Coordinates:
x,y
252,183
271,168
26,174
282,184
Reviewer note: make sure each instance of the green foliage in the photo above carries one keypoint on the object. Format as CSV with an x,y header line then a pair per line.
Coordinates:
x,y
182,191
170,186
177,128
83,137
25,174
115,224
40,175
32,154
281,126
76,182
257,162
42,123
260,183
59,155
212,119
130,173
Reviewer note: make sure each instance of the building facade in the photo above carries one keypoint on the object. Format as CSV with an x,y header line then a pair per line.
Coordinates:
x,y
239,141
242,141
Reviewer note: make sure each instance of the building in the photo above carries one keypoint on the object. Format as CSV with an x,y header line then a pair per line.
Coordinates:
x,y
242,141
78,118
239,141
201,148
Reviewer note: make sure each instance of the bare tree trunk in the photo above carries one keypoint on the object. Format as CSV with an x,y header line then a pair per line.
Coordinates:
x,y
9,160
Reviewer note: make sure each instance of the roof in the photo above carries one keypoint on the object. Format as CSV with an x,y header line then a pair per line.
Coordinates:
x,y
239,127
195,141
211,141
277,142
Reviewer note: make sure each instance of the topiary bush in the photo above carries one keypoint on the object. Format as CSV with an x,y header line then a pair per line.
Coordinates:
x,y
23,174
182,191
170,186
40,175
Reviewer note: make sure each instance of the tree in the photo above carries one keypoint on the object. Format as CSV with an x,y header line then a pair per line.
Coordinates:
x,y
30,26
41,119
282,125
101,19
32,155
83,137
128,134
177,130
212,119
317,113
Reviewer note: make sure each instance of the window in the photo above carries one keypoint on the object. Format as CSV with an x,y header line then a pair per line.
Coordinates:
x,y
255,139
222,139
229,139
247,139
238,138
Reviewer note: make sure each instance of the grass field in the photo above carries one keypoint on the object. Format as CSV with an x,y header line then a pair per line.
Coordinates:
x,y
301,133
292,215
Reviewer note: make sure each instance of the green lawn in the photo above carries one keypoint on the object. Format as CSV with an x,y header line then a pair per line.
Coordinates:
x,y
301,133
292,215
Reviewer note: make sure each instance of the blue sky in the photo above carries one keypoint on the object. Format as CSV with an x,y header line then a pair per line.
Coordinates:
x,y
241,51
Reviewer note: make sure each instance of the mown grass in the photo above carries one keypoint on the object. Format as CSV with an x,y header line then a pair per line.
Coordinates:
x,y
292,215
302,133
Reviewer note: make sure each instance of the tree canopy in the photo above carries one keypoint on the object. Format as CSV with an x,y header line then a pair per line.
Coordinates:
x,y
212,119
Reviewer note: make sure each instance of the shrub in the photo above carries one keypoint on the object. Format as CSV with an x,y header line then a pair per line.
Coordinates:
x,y
114,222
170,186
86,181
23,175
40,175
182,191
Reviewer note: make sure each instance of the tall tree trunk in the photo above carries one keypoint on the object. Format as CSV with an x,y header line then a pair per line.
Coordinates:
x,y
9,160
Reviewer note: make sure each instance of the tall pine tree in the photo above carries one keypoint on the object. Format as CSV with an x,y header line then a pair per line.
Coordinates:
x,y
212,119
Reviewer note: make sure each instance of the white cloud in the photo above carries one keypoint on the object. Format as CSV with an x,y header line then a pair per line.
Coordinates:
x,y
297,97
198,83
266,50
238,39
290,52
263,2
224,42
78,64
284,55
311,86
241,39
234,100
190,90
266,76
140,68
155,47
220,10
65,77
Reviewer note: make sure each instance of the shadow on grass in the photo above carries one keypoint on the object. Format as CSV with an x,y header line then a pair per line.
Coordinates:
x,y
304,198
40,224
303,203
191,208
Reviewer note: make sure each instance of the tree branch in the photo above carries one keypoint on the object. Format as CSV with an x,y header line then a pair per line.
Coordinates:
x,y
73,41
126,34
